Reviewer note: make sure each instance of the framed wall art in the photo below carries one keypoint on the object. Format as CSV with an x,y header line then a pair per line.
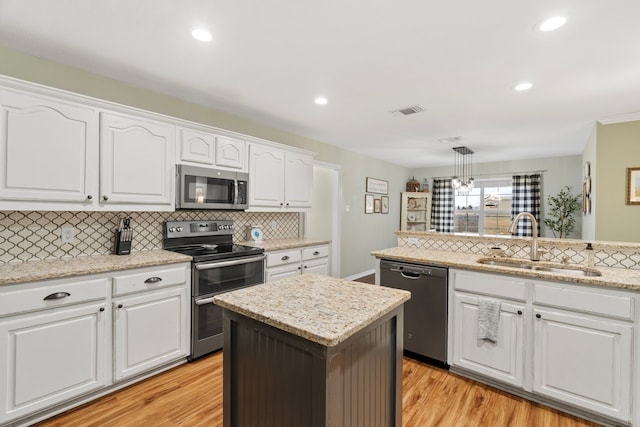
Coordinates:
x,y
633,186
368,203
377,186
376,206
385,204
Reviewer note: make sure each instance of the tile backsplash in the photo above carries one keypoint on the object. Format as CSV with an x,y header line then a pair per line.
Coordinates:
x,y
35,235
606,254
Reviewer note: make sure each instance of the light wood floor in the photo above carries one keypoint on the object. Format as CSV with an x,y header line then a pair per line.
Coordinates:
x,y
191,395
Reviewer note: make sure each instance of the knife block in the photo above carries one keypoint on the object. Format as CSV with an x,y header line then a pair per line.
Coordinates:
x,y
122,247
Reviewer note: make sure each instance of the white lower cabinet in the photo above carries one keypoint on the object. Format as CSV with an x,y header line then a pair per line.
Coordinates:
x,y
149,330
572,344
293,262
502,360
59,339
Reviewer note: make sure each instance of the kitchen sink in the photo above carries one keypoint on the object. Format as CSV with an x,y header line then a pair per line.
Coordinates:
x,y
537,266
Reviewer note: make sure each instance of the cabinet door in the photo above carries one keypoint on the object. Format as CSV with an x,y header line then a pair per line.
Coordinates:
x,y
266,176
277,273
298,182
149,330
583,361
502,360
316,266
230,153
51,357
196,147
48,150
136,160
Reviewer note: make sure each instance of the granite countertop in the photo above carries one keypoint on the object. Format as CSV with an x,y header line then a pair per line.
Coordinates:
x,y
278,244
318,308
42,270
611,277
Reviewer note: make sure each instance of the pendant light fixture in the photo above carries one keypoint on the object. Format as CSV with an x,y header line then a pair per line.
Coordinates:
x,y
462,180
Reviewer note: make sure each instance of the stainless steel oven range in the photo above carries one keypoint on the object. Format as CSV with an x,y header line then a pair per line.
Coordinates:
x,y
218,266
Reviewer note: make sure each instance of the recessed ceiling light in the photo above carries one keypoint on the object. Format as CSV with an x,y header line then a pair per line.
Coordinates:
x,y
321,100
201,34
552,23
520,87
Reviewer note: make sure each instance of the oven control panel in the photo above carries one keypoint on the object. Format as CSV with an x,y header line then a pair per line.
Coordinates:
x,y
174,229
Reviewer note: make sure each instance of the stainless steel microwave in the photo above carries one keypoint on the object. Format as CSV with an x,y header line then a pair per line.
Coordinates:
x,y
203,188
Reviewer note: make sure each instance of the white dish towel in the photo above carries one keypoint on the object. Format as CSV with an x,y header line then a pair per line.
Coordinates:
x,y
488,319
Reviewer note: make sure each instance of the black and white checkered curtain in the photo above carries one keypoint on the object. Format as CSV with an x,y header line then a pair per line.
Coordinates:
x,y
442,205
526,198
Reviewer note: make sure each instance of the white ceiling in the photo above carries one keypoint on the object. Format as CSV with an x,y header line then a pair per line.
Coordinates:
x,y
459,59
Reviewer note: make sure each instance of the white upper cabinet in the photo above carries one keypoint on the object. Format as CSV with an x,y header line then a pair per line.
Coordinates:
x,y
200,147
48,152
279,179
136,162
231,153
196,147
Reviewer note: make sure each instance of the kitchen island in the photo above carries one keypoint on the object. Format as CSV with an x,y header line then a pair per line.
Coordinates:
x,y
313,350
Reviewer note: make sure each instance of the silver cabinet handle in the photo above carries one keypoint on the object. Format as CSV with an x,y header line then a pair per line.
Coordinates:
x,y
285,258
154,279
408,275
204,301
56,295
218,264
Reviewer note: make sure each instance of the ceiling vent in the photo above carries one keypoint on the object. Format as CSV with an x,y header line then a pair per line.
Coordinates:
x,y
408,110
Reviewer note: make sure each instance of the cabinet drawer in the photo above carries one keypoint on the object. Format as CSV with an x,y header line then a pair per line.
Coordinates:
x,y
283,257
32,297
618,306
488,284
151,279
315,252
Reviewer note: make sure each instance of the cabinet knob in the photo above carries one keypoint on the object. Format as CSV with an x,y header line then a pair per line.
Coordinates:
x,y
105,198
519,312
285,258
305,266
101,308
281,204
89,197
287,203
316,253
119,305
539,316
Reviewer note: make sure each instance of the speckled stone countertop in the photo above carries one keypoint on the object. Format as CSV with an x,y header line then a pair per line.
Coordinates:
x,y
42,270
611,277
318,308
278,244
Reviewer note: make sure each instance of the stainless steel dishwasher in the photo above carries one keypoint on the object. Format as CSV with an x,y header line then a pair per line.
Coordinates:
x,y
425,314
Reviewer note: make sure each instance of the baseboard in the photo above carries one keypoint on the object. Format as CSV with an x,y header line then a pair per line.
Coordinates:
x,y
361,274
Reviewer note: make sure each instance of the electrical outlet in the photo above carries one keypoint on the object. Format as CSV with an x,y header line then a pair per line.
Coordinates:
x,y
67,234
274,225
347,208
412,241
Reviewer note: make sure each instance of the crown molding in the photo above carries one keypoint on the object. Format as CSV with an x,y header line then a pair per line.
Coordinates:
x,y
628,117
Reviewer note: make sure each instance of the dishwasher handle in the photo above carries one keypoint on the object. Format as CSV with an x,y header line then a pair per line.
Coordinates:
x,y
413,271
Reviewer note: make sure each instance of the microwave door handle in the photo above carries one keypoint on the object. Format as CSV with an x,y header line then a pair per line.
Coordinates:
x,y
235,195
211,265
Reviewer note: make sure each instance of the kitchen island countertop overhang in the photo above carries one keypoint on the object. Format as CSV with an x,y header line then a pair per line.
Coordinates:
x,y
321,309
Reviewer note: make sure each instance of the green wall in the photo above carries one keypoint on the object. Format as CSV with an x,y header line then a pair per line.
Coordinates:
x,y
559,171
617,148
361,233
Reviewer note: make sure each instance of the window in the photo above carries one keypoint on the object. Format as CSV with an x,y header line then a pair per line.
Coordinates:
x,y
485,210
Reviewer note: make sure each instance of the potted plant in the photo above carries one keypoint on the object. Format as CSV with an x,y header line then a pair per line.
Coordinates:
x,y
562,207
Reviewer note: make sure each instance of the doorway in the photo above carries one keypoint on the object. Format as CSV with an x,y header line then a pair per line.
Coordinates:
x,y
323,221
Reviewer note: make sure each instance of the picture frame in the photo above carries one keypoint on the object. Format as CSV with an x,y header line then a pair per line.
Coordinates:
x,y
385,204
368,203
377,186
633,186
376,205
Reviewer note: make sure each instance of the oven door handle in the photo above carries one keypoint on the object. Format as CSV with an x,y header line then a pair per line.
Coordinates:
x,y
204,301
221,264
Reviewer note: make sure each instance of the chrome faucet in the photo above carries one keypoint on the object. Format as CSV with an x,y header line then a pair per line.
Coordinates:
x,y
535,256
